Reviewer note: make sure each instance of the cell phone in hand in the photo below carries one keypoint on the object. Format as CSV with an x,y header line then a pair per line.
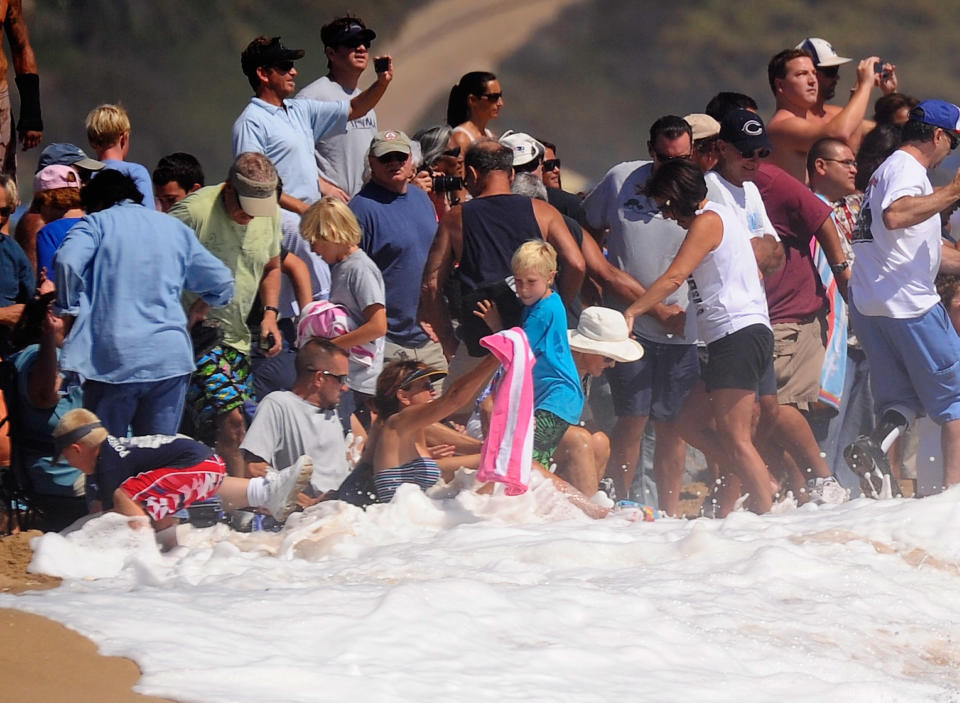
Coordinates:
x,y
381,64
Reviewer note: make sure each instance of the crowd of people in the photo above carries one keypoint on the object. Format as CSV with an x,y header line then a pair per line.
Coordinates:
x,y
330,321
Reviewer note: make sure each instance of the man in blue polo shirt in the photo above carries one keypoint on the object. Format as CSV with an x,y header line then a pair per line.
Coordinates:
x,y
285,129
398,223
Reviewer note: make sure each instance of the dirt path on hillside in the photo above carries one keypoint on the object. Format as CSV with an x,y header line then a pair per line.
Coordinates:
x,y
447,38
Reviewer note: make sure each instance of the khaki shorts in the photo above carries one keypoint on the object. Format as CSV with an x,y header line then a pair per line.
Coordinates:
x,y
430,354
798,351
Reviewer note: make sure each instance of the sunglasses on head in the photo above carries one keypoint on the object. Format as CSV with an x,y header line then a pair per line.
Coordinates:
x,y
755,153
551,164
492,97
393,157
282,66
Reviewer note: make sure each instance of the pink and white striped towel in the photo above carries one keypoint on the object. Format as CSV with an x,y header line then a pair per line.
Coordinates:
x,y
321,318
507,452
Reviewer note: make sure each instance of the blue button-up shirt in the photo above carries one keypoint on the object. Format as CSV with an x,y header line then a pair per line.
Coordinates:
x,y
287,135
120,272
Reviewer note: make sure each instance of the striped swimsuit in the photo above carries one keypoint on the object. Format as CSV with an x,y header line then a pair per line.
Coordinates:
x,y
422,471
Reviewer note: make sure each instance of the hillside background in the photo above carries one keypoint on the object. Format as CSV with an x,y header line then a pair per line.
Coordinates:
x,y
592,78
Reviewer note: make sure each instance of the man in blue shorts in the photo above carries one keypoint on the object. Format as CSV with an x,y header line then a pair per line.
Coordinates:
x,y
913,349
643,243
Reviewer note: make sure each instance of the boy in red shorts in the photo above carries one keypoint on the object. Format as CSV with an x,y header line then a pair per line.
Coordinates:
x,y
168,473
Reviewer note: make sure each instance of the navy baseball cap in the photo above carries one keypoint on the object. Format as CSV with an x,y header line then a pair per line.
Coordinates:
x,y
938,113
744,129
64,154
340,33
269,54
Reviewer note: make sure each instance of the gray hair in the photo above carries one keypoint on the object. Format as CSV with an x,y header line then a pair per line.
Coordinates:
x,y
433,142
529,184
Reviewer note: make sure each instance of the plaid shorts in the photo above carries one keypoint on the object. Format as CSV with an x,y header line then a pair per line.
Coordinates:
x,y
221,383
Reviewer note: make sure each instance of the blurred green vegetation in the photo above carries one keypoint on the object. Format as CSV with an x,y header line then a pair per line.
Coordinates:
x,y
593,81
597,78
174,65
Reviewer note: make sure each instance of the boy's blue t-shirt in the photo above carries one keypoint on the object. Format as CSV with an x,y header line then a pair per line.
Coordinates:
x,y
556,386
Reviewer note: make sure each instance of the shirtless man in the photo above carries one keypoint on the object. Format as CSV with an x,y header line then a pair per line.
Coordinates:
x,y
801,118
30,126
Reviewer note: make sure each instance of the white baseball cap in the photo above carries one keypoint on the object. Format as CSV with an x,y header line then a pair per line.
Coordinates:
x,y
822,51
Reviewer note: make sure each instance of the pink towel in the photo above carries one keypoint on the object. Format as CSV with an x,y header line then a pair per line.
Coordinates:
x,y
507,452
321,318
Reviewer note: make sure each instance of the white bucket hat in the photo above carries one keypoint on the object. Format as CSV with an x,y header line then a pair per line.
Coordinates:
x,y
604,331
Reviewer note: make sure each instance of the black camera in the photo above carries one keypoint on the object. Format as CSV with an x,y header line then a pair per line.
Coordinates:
x,y
447,184
381,64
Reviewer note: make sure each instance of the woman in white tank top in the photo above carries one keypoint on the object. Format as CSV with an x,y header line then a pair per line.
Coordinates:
x,y
717,258
474,101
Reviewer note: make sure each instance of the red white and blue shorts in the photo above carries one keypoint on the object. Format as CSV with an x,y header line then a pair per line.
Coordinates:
x,y
162,492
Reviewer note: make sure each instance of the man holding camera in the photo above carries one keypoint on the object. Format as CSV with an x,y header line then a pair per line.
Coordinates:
x,y
398,223
801,118
346,44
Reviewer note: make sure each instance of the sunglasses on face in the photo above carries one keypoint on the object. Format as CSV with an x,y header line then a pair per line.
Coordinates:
x,y
551,164
664,158
846,163
830,71
283,67
392,157
954,139
454,152
755,154
340,378
355,43
492,97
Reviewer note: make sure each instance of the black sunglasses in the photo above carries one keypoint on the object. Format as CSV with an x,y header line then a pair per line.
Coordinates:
x,y
551,164
454,152
830,71
355,43
954,139
340,378
282,66
393,156
663,158
756,153
492,97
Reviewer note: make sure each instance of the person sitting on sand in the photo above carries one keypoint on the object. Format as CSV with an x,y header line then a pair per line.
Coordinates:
x,y
600,340
166,474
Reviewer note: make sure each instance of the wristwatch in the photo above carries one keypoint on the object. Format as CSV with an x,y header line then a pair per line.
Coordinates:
x,y
840,268
270,307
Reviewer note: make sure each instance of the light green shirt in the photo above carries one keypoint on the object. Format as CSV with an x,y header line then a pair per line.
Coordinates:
x,y
244,249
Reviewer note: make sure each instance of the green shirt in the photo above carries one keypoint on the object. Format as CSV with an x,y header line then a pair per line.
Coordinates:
x,y
244,249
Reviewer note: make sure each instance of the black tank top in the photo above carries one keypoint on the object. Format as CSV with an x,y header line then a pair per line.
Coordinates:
x,y
493,228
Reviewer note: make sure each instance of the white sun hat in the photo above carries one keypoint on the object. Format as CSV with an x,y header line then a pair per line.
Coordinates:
x,y
604,331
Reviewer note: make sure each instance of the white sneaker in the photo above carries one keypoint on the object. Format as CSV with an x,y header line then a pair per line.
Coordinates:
x,y
284,486
827,491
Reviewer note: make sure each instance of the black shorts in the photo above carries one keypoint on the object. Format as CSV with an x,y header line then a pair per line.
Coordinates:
x,y
740,359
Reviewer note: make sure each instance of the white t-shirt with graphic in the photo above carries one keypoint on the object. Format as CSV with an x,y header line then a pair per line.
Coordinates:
x,y
895,269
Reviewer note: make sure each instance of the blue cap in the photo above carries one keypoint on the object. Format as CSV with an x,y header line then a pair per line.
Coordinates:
x,y
744,129
64,154
938,113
